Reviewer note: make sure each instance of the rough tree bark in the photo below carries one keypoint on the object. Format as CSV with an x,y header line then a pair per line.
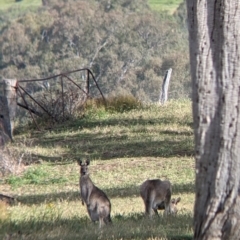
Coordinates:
x,y
214,35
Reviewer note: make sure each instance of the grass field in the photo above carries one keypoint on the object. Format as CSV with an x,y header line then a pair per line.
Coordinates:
x,y
125,149
159,5
165,5
5,4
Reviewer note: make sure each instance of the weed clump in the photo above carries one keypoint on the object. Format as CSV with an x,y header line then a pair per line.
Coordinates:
x,y
121,103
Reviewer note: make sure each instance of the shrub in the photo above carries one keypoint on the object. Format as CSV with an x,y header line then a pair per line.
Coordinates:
x,y
120,103
123,103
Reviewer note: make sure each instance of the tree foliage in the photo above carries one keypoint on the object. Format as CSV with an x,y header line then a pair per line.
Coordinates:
x,y
126,45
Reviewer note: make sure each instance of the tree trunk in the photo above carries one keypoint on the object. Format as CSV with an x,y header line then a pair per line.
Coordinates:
x,y
214,28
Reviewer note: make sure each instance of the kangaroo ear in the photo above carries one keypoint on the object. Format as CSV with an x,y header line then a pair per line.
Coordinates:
x,y
178,200
87,161
79,162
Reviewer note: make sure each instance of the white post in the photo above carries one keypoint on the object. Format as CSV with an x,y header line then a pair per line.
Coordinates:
x,y
164,91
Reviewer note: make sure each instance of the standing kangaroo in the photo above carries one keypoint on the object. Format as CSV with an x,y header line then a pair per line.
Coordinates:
x,y
156,195
98,204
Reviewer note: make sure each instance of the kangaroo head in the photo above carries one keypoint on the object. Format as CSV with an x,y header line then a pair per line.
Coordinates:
x,y
84,167
173,205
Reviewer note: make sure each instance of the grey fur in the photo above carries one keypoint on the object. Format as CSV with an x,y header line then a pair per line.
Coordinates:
x,y
156,195
98,204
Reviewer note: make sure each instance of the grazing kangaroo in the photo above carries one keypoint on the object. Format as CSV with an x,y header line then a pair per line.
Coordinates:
x,y
98,204
156,195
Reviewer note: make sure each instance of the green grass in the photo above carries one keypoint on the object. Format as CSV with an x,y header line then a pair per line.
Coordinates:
x,y
165,5
5,4
38,175
125,149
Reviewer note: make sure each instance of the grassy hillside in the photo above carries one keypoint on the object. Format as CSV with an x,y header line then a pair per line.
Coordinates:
x,y
5,4
165,5
125,149
159,5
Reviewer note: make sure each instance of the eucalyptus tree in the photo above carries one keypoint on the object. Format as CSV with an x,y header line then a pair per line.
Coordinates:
x,y
214,39
127,46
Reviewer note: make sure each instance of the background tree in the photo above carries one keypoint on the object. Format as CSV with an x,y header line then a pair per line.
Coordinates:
x,y
214,55
126,44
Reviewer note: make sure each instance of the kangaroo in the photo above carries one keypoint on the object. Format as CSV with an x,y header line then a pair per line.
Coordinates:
x,y
156,195
98,204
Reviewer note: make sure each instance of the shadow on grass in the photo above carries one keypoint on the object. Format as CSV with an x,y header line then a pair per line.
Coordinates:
x,y
89,123
130,191
48,198
184,188
37,158
138,142
177,133
109,147
132,226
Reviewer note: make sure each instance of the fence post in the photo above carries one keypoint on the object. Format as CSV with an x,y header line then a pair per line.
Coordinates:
x,y
8,106
164,91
